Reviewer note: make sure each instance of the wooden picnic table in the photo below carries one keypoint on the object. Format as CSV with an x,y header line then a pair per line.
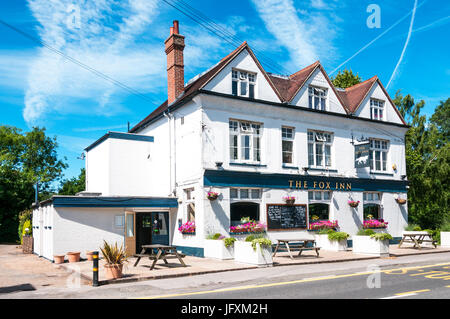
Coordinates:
x,y
164,252
417,239
299,244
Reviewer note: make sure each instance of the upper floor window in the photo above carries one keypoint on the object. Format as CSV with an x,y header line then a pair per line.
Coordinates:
x,y
287,142
376,109
245,141
317,98
243,83
378,155
319,149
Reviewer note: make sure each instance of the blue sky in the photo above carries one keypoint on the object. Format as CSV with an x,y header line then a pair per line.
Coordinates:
x,y
124,40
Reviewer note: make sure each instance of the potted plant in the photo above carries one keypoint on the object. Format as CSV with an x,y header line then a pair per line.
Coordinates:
x,y
187,228
58,259
73,257
219,247
114,258
256,250
401,201
318,225
290,200
331,240
212,195
372,223
367,242
353,203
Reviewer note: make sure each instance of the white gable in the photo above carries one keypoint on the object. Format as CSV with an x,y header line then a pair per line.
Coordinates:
x,y
318,79
221,83
376,92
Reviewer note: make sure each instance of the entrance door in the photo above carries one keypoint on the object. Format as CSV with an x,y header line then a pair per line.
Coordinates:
x,y
130,234
143,230
160,228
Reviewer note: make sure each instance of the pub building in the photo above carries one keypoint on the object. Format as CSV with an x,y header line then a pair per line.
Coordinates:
x,y
253,138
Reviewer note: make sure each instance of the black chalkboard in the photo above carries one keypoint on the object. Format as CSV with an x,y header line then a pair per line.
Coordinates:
x,y
282,216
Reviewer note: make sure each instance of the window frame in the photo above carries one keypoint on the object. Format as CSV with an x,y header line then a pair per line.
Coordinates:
x,y
239,135
376,108
250,197
243,79
319,138
373,150
286,138
321,96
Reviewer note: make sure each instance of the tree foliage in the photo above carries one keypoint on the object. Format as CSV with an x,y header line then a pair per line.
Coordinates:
x,y
25,158
345,79
427,161
74,185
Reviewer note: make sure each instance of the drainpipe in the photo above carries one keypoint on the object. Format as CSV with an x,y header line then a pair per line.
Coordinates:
x,y
172,157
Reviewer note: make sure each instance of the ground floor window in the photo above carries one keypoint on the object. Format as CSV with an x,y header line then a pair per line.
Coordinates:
x,y
372,205
190,204
243,209
319,205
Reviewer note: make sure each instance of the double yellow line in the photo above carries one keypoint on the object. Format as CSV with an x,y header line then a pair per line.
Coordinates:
x,y
291,282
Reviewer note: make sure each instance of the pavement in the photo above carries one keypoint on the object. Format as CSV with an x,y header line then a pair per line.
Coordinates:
x,y
24,272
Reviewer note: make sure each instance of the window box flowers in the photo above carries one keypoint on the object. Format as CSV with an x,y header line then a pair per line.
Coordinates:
x,y
212,195
247,228
323,224
374,223
289,200
187,228
353,203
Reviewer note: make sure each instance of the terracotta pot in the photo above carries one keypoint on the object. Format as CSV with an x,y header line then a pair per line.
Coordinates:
x,y
401,201
113,271
73,257
59,259
89,255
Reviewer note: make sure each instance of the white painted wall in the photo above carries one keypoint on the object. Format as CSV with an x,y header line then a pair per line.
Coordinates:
x,y
97,169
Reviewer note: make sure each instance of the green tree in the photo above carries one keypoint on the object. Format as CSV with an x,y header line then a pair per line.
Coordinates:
x,y
345,79
427,161
25,158
74,185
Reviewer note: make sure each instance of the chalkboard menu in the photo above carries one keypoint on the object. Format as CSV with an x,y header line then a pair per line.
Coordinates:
x,y
285,217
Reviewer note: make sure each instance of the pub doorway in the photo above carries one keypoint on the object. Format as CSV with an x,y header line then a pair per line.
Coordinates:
x,y
152,228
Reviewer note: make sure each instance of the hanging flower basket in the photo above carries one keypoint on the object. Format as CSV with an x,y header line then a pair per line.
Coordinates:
x,y
290,200
187,228
212,195
353,203
401,201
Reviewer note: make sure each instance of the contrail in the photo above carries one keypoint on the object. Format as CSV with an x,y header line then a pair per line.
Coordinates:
x,y
406,44
382,34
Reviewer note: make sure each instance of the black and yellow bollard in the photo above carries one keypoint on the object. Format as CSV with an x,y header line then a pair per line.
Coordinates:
x,y
95,269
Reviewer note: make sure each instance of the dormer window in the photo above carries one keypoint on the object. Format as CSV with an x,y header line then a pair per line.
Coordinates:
x,y
376,110
243,83
317,98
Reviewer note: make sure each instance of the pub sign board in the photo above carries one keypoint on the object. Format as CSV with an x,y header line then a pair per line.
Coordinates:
x,y
362,155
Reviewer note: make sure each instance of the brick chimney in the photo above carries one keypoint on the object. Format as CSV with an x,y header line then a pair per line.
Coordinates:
x,y
175,65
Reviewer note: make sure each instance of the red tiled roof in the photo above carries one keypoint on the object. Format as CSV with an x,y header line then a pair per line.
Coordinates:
x,y
353,96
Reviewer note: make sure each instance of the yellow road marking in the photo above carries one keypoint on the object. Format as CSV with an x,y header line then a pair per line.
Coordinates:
x,y
291,282
411,292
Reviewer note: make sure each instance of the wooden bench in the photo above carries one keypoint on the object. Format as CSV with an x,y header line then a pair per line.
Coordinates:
x,y
417,239
297,245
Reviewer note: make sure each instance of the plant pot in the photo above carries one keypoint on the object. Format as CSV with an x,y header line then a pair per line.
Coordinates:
x,y
243,252
212,198
217,249
324,243
366,245
445,239
73,257
58,259
113,271
400,201
89,255
353,205
290,201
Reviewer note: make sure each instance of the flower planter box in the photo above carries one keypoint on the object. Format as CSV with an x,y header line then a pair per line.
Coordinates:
x,y
366,245
244,253
216,249
324,243
445,239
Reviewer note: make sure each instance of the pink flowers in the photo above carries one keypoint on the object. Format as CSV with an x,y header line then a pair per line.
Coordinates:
x,y
353,203
187,228
289,197
375,223
212,195
250,227
323,224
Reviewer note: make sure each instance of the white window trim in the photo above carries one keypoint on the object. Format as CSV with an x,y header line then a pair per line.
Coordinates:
x,y
252,133
374,107
322,200
291,139
314,142
325,96
239,79
250,199
374,149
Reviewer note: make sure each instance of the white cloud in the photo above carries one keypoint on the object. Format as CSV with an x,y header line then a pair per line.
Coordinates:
x,y
101,34
308,37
